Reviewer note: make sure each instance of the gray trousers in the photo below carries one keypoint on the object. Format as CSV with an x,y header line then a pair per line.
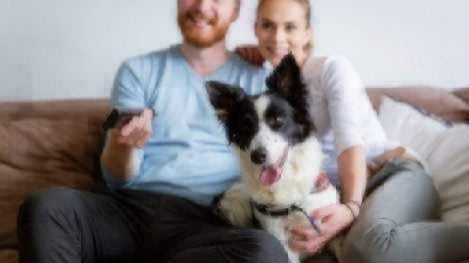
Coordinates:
x,y
400,222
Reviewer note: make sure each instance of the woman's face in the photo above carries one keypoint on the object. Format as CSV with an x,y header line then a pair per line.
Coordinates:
x,y
281,27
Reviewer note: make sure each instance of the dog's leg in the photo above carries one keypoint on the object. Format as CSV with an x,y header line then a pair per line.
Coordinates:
x,y
235,206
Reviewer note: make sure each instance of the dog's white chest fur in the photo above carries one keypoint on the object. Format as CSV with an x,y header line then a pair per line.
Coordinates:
x,y
299,175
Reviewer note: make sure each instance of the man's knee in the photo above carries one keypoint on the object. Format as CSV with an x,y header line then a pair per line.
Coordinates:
x,y
259,246
44,204
267,247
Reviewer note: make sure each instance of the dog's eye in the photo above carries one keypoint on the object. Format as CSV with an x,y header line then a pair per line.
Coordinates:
x,y
276,122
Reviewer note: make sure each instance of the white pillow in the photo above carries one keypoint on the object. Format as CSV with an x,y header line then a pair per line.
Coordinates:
x,y
408,126
445,149
449,166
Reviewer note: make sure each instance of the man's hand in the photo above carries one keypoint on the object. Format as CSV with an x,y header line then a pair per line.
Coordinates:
x,y
134,131
334,219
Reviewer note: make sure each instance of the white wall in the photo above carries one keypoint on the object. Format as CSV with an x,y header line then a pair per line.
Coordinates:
x,y
399,42
53,49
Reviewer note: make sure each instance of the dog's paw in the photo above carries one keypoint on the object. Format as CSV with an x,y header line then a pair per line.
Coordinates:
x,y
235,207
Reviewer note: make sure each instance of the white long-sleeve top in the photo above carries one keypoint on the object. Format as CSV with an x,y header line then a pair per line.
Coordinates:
x,y
341,111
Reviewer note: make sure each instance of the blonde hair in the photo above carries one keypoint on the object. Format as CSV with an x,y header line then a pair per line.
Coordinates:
x,y
308,10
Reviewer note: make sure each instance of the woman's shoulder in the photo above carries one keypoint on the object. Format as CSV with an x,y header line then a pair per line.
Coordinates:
x,y
326,66
330,62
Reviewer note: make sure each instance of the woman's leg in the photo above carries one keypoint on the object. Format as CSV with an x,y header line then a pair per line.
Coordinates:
x,y
399,222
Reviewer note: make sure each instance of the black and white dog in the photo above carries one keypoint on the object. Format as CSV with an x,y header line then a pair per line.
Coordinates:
x,y
280,155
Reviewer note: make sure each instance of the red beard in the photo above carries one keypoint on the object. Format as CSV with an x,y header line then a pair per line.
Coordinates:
x,y
199,38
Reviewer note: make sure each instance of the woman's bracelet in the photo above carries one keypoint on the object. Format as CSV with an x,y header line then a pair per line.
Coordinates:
x,y
355,212
359,205
351,211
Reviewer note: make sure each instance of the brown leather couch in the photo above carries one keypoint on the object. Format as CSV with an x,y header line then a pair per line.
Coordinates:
x,y
57,143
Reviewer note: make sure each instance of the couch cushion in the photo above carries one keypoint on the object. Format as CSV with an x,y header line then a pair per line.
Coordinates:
x,y
40,153
449,165
407,125
9,255
444,148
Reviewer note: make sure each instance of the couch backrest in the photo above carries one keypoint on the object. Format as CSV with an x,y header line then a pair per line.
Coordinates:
x,y
447,104
94,110
452,106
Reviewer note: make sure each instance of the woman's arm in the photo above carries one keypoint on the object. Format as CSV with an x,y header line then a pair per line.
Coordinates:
x,y
352,174
251,54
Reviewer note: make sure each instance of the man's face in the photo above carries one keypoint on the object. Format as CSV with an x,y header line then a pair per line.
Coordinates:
x,y
205,22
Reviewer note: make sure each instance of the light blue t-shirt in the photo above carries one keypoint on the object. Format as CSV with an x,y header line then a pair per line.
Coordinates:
x,y
188,154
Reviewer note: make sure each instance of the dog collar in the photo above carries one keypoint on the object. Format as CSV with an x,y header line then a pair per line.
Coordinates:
x,y
268,210
321,184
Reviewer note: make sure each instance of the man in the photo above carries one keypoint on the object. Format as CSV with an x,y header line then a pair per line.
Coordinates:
x,y
164,170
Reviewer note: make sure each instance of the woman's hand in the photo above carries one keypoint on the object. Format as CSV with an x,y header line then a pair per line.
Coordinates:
x,y
331,219
251,54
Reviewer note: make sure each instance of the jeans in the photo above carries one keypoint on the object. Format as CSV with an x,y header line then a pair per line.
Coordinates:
x,y
400,221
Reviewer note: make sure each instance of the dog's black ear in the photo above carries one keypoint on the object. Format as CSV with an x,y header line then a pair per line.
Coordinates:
x,y
286,78
223,97
287,81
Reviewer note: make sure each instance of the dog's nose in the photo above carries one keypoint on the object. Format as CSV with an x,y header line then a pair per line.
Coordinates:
x,y
258,156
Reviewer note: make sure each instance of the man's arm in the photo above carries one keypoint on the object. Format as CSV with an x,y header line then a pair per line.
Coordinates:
x,y
120,151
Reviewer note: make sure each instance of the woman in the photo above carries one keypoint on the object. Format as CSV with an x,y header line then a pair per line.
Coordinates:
x,y
392,224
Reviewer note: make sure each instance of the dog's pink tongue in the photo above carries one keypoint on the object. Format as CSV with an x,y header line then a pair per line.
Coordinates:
x,y
269,175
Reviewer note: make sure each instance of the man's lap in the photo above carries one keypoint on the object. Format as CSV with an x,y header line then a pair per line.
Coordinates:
x,y
129,224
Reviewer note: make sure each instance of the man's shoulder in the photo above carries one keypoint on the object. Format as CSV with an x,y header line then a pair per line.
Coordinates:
x,y
150,58
250,77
